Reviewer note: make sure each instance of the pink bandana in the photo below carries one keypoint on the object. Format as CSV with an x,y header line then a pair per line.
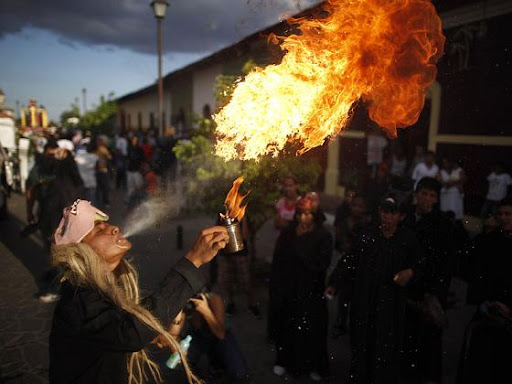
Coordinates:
x,y
77,221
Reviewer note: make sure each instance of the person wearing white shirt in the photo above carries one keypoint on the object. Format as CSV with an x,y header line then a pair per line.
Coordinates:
x,y
86,163
452,179
122,144
499,183
428,168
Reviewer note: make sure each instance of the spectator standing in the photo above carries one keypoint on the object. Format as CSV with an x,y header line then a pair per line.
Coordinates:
x,y
347,226
384,258
133,176
166,161
499,184
120,156
347,229
285,206
487,353
375,151
122,144
428,293
303,250
5,181
148,148
86,162
427,168
102,177
60,191
284,215
150,180
147,189
377,188
452,178
234,274
343,209
38,181
400,182
398,161
419,157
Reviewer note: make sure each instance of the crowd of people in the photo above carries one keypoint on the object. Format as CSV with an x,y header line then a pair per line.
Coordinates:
x,y
398,244
398,250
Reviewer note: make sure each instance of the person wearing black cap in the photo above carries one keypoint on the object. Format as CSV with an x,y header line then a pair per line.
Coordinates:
x,y
427,295
384,260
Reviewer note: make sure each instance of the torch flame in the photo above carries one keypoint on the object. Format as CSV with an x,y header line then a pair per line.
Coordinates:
x,y
233,202
381,51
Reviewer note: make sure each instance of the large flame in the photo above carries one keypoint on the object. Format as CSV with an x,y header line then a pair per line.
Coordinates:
x,y
233,202
381,51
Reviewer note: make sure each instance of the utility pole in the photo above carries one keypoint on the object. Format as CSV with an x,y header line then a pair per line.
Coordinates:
x,y
160,8
160,81
84,99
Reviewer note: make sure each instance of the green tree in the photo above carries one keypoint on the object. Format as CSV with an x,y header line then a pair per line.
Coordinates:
x,y
101,119
209,177
72,112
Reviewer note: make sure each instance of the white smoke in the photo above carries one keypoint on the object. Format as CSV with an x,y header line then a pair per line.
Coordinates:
x,y
150,214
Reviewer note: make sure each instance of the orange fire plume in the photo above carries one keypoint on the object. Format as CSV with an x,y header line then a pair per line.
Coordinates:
x,y
381,51
233,202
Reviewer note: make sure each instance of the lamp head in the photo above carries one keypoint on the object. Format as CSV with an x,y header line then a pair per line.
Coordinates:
x,y
159,8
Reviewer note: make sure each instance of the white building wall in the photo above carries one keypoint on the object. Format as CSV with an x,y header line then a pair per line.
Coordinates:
x,y
202,88
144,104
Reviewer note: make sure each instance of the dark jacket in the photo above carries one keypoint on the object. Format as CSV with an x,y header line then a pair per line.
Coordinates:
x,y
377,312
296,294
135,158
435,233
491,273
91,338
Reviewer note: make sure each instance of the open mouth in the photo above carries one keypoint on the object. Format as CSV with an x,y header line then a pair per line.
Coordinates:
x,y
122,242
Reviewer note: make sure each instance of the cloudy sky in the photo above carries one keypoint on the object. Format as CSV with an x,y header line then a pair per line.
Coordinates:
x,y
51,50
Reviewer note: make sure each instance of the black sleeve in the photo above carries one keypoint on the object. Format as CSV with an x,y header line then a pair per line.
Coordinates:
x,y
440,255
343,276
415,257
477,270
349,265
98,321
180,284
341,271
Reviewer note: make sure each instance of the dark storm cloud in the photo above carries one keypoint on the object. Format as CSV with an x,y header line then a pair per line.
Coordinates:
x,y
190,25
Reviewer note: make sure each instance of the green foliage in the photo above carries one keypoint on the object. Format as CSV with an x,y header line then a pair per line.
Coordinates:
x,y
210,177
99,120
73,111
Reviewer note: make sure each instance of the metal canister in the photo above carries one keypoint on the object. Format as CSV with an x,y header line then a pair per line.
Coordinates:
x,y
236,240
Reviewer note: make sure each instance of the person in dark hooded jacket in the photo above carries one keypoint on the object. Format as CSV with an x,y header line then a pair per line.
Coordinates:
x,y
301,257
383,260
427,295
487,352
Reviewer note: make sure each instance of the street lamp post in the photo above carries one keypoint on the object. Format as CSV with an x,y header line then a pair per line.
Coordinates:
x,y
160,8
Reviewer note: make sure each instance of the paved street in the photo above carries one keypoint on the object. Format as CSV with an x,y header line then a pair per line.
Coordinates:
x,y
25,323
